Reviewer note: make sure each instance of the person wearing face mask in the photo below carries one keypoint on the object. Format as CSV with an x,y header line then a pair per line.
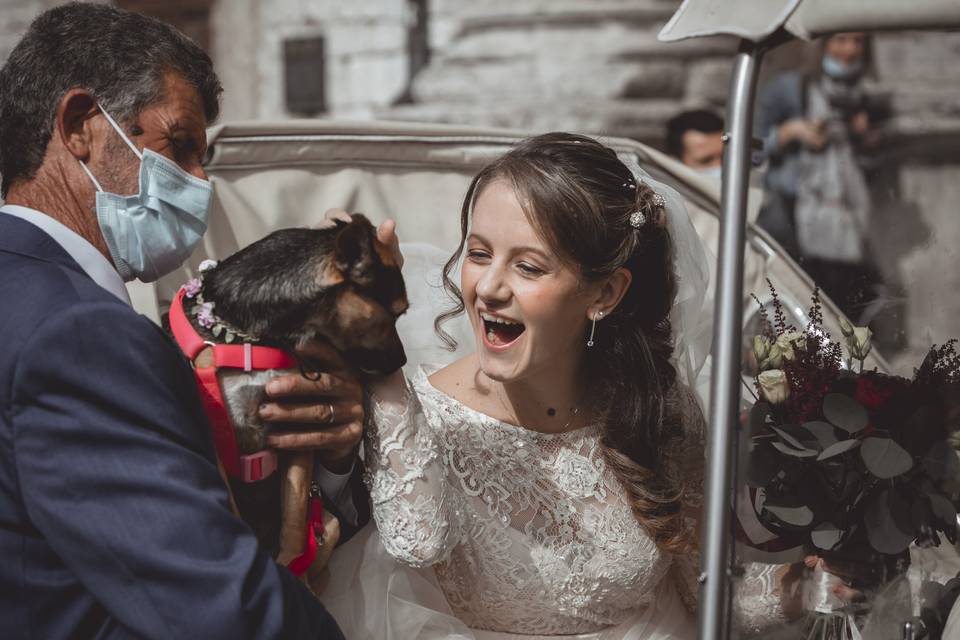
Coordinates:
x,y
114,520
696,139
817,203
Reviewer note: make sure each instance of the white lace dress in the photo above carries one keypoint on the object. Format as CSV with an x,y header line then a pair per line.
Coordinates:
x,y
489,530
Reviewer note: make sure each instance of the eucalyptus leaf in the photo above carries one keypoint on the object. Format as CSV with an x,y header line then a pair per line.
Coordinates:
x,y
943,509
833,474
885,458
826,535
824,432
836,449
229,336
852,486
800,516
789,439
844,412
882,531
217,330
790,451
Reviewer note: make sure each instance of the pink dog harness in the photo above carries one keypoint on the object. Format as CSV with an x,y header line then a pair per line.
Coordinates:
x,y
251,467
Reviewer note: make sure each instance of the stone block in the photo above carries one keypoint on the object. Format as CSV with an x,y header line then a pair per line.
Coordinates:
x,y
654,80
367,36
336,10
928,102
914,58
479,82
930,270
367,79
708,81
502,43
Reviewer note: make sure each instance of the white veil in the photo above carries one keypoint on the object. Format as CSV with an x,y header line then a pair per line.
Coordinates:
x,y
692,315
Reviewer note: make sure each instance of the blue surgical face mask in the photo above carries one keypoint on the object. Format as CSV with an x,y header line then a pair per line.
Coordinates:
x,y
841,71
151,233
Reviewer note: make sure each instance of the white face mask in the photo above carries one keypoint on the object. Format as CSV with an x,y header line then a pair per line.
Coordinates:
x,y
151,233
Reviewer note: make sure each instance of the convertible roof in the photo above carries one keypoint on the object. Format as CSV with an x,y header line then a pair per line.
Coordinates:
x,y
757,19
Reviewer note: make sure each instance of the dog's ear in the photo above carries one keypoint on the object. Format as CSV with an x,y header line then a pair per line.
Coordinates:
x,y
355,257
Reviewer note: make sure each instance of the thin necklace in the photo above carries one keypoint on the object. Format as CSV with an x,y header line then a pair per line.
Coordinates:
x,y
574,412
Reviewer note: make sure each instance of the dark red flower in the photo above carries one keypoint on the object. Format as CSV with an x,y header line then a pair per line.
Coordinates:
x,y
875,390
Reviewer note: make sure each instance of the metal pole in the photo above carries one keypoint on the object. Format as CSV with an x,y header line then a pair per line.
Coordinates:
x,y
717,542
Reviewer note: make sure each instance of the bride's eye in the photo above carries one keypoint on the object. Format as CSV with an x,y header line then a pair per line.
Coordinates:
x,y
529,269
477,255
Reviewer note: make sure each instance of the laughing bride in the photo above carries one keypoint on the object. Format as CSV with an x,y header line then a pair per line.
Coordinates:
x,y
548,484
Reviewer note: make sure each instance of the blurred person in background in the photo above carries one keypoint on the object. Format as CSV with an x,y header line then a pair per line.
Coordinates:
x,y
696,138
817,204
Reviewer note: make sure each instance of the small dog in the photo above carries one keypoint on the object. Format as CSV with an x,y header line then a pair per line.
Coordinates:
x,y
339,286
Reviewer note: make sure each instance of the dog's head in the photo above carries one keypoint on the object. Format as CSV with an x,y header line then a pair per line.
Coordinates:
x,y
340,285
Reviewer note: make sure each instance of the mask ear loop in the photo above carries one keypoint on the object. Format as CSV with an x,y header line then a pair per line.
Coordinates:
x,y
90,175
120,132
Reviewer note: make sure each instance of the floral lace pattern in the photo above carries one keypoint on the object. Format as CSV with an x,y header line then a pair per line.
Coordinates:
x,y
527,532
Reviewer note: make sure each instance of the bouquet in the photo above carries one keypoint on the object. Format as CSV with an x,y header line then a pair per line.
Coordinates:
x,y
853,465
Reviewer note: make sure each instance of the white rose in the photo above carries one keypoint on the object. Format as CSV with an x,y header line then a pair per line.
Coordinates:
x,y
767,353
790,341
774,386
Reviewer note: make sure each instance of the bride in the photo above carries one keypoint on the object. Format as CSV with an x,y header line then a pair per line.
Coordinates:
x,y
549,483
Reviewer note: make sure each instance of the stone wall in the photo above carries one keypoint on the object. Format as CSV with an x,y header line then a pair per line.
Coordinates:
x,y
563,64
365,56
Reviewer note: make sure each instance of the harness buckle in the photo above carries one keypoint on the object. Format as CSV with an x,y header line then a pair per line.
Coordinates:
x,y
258,466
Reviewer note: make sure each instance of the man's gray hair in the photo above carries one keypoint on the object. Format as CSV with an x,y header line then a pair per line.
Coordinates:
x,y
118,56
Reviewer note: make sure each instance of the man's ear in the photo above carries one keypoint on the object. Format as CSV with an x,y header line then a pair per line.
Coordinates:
x,y
354,252
611,292
74,112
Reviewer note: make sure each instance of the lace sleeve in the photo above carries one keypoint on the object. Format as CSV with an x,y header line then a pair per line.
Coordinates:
x,y
756,598
411,497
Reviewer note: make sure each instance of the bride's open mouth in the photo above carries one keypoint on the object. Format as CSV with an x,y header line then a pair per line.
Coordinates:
x,y
500,332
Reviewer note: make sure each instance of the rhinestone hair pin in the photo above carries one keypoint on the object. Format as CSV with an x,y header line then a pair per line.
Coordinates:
x,y
639,218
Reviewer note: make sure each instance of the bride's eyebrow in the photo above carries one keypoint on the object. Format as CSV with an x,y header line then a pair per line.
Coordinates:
x,y
537,252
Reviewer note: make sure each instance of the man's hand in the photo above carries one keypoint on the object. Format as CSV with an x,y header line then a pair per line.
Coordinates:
x,y
386,232
809,133
328,410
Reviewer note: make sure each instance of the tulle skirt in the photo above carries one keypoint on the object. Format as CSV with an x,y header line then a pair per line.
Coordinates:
x,y
374,597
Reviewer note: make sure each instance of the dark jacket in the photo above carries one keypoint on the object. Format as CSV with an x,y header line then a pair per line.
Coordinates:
x,y
113,519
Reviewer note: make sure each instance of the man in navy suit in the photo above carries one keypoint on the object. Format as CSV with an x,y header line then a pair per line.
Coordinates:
x,y
114,521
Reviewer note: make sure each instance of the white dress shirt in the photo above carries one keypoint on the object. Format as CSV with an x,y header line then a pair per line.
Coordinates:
x,y
93,263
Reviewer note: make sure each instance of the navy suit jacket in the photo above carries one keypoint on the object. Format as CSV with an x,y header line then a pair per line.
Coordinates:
x,y
114,521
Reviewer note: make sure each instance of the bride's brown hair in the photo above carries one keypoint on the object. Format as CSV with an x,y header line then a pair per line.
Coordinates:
x,y
579,197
